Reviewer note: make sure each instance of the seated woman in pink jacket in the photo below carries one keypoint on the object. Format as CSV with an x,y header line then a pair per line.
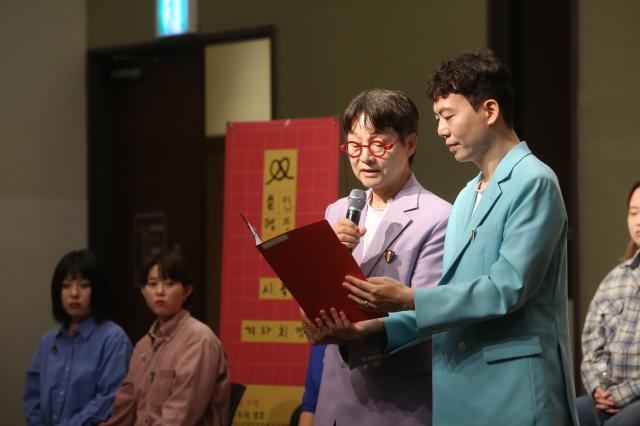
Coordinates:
x,y
178,373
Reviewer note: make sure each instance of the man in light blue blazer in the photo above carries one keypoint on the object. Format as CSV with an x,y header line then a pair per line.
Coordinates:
x,y
499,314
400,234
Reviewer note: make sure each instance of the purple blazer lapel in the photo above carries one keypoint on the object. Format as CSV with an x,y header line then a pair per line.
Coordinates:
x,y
393,223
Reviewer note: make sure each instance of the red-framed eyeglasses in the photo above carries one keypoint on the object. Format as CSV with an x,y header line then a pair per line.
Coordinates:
x,y
377,149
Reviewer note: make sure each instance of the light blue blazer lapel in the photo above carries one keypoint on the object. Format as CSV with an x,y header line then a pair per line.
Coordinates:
x,y
455,240
395,220
464,216
489,198
470,221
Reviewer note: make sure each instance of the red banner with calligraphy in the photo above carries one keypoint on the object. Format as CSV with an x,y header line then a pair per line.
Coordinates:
x,y
281,174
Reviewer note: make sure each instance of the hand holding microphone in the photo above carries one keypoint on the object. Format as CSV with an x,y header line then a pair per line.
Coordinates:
x,y
347,229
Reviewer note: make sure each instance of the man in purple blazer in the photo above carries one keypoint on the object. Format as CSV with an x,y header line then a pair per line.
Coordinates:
x,y
400,235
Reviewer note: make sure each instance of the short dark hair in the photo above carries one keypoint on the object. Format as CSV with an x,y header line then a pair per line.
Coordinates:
x,y
632,247
383,110
81,263
478,76
170,265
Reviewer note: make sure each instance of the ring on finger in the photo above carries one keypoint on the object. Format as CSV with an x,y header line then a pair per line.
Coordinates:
x,y
365,303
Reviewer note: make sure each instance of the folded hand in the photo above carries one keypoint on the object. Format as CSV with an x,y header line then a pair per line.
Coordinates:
x,y
604,401
379,294
335,328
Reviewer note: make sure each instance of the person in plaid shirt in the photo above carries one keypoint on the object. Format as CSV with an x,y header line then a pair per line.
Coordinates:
x,y
611,338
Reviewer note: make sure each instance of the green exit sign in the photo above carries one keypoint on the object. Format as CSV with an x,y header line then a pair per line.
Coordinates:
x,y
174,17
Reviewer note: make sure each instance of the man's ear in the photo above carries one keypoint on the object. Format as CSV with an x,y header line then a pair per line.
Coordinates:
x,y
492,111
410,142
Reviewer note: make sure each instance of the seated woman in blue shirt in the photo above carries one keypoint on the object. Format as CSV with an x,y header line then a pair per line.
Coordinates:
x,y
78,367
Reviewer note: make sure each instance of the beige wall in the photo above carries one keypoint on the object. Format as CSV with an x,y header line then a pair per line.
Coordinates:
x,y
237,83
326,52
43,206
608,141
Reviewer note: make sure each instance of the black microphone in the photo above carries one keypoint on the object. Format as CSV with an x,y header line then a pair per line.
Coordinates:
x,y
355,203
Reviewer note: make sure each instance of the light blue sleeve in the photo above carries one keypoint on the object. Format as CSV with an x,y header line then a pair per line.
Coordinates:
x,y
402,331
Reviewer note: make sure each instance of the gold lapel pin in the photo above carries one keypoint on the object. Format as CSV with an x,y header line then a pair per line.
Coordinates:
x,y
388,255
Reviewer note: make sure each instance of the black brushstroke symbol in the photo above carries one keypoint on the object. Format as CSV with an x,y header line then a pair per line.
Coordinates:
x,y
281,169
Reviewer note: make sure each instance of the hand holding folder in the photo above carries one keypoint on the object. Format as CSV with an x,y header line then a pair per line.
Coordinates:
x,y
312,264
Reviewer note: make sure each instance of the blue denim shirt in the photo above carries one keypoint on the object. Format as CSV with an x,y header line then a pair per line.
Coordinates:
x,y
73,380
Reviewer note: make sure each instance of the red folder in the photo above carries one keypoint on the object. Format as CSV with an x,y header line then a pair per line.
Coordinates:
x,y
312,264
